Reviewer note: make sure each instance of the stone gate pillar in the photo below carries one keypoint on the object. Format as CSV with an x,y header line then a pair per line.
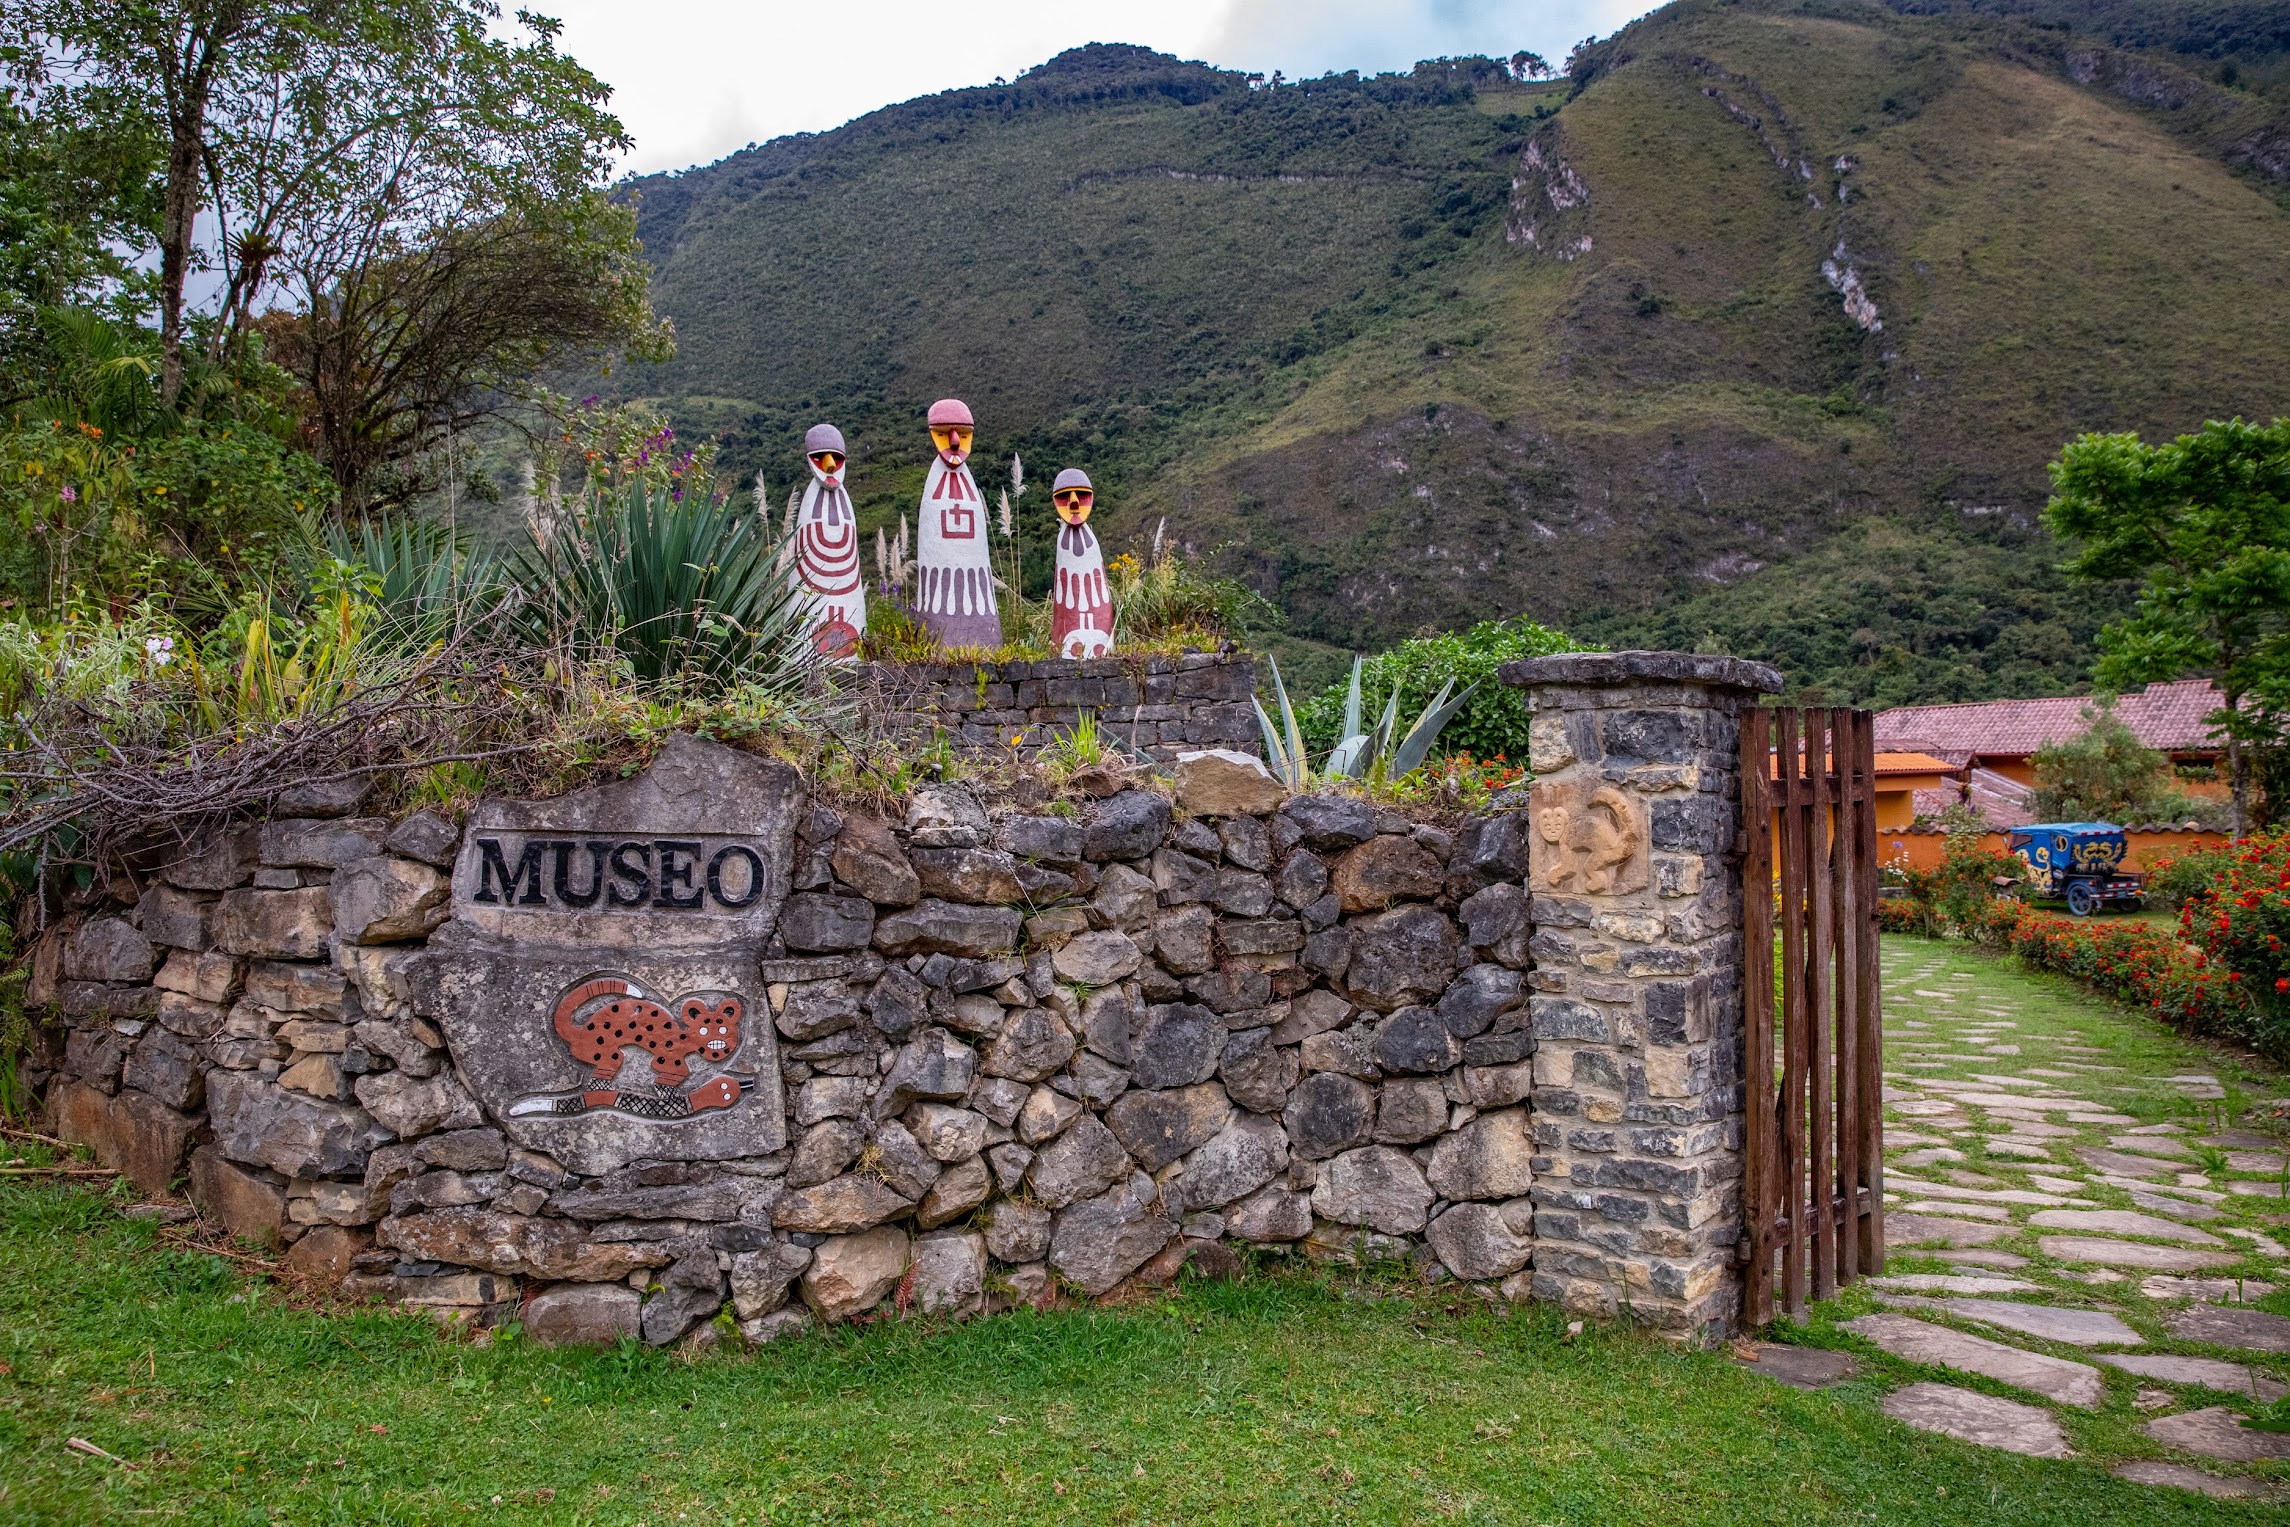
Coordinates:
x,y
1635,903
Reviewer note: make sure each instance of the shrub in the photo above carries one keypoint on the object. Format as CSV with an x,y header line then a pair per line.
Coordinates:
x,y
1492,726
1950,898
2173,880
2240,919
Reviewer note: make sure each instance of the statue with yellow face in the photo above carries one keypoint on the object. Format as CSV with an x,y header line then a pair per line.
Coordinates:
x,y
954,569
1081,606
827,548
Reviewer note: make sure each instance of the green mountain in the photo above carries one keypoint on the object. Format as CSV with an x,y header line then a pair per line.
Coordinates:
x,y
1755,332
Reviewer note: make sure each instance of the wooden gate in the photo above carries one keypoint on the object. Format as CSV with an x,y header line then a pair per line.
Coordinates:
x,y
1813,1179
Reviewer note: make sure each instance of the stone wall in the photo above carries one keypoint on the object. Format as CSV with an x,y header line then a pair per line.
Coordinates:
x,y
694,1043
1153,707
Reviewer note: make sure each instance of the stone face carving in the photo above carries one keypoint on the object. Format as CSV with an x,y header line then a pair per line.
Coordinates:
x,y
827,548
954,572
1081,608
1590,838
598,985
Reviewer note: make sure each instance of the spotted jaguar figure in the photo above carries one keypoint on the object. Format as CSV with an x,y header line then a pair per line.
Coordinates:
x,y
602,1017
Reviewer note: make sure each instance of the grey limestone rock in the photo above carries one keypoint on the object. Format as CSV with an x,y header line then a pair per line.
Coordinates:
x,y
814,922
1017,1232
1490,1157
1477,1242
1181,878
1375,1186
1328,823
961,1188
1085,1160
407,1106
1177,1045
1125,899
174,918
426,836
932,926
1327,1113
1403,956
1032,1045
691,1289
1490,850
1257,1073
1098,1241
1046,1115
933,1064
1410,1109
1045,840
1272,1213
851,1274
897,1157
949,1269
108,949
1158,1127
867,858
949,1133
1416,1040
293,925
262,1124
985,876
1479,996
1245,842
826,1150
1246,1154
1495,920
760,1279
855,1201
320,842
1097,959
583,1315
1128,825
382,899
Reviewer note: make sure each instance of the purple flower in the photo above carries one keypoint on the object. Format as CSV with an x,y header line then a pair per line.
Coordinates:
x,y
68,493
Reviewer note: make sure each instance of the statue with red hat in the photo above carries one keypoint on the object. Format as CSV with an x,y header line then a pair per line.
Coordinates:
x,y
827,548
954,570
1081,608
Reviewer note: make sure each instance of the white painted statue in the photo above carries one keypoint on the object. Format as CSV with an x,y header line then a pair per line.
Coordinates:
x,y
954,575
827,548
1081,607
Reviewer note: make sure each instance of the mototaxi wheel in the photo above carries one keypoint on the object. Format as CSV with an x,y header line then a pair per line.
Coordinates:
x,y
2080,901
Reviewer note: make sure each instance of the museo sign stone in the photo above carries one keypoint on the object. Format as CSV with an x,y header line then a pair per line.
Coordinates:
x,y
598,983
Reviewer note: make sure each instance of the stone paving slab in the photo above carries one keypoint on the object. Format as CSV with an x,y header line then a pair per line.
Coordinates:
x,y
1910,1229
2077,1248
1917,1341
2077,1328
2153,1471
1994,1213
2210,1290
1967,1258
1950,1283
1979,1418
2208,1372
2217,1433
2223,1326
1798,1367
2123,1222
2122,1165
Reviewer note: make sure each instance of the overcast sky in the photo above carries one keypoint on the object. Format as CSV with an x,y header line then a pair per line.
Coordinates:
x,y
696,79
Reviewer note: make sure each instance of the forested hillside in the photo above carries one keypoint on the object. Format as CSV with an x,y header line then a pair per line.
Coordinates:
x,y
1756,331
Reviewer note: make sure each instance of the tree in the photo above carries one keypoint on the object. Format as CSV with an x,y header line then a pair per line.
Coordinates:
x,y
344,151
2204,522
403,348
1530,66
2108,774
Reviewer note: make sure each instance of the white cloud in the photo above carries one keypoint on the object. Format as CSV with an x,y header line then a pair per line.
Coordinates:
x,y
696,79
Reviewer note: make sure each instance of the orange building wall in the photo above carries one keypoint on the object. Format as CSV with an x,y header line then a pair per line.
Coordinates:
x,y
1922,850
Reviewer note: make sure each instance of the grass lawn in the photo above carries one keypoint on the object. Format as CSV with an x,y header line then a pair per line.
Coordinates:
x,y
1285,1396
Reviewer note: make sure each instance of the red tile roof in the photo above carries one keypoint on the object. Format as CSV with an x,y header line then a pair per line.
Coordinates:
x,y
2164,716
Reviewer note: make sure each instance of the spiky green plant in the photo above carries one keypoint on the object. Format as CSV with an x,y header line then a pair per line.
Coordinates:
x,y
1284,745
426,578
680,589
1382,755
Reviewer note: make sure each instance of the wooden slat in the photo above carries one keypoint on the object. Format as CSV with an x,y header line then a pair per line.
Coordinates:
x,y
1759,1180
1853,796
1869,1013
1820,988
1788,740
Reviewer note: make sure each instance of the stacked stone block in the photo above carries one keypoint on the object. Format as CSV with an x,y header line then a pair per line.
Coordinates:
x,y
1025,1054
1150,706
1636,914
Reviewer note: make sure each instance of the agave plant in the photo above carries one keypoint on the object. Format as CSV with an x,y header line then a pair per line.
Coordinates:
x,y
1283,749
679,588
1375,756
426,579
